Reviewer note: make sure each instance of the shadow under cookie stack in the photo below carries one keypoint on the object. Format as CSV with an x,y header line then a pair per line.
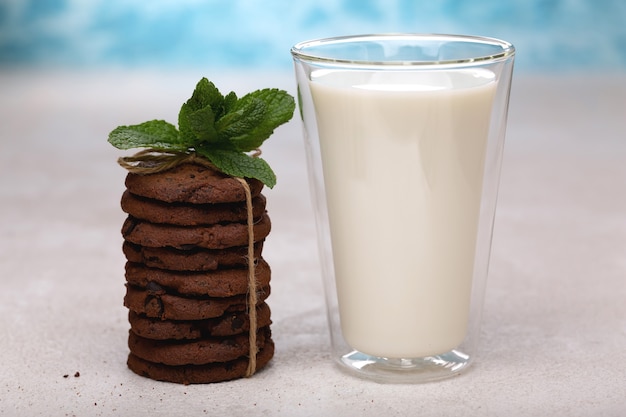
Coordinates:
x,y
186,240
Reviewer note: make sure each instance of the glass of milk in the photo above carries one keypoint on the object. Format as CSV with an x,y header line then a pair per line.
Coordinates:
x,y
404,136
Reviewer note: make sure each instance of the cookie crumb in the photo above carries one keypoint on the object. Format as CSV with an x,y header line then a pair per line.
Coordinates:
x,y
77,374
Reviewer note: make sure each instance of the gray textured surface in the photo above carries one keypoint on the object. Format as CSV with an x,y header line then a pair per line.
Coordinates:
x,y
554,330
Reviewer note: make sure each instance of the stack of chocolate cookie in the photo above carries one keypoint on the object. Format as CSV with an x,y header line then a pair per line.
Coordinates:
x,y
186,242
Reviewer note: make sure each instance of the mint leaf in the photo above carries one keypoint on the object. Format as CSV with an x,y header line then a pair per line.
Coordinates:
x,y
240,164
156,134
206,94
243,119
229,101
279,109
184,125
280,105
201,123
197,115
220,128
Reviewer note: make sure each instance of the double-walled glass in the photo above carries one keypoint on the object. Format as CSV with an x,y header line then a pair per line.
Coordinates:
x,y
404,136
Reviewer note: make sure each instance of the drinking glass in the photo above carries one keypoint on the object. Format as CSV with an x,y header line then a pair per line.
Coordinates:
x,y
404,136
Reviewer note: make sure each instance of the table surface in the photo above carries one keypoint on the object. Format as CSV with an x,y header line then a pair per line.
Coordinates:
x,y
553,340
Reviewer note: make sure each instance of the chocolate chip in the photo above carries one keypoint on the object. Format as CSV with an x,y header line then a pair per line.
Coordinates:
x,y
229,342
237,323
154,306
154,289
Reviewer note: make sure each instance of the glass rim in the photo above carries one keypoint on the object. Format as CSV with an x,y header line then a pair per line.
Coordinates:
x,y
298,51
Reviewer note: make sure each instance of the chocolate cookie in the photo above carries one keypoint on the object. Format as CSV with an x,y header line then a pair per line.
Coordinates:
x,y
218,236
193,259
191,183
196,352
200,374
227,325
154,302
182,214
218,283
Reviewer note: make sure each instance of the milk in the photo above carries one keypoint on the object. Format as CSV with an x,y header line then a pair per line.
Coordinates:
x,y
403,156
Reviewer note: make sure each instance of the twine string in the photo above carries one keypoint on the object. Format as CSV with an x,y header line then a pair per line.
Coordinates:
x,y
252,296
151,161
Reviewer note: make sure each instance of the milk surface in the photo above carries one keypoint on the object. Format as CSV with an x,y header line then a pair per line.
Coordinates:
x,y
403,156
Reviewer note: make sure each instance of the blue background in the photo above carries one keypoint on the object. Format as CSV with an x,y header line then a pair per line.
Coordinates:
x,y
550,35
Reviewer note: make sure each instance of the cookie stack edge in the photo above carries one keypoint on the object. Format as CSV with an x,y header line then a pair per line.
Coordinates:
x,y
186,245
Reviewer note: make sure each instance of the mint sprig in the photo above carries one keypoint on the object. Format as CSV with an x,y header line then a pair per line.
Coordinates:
x,y
222,129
